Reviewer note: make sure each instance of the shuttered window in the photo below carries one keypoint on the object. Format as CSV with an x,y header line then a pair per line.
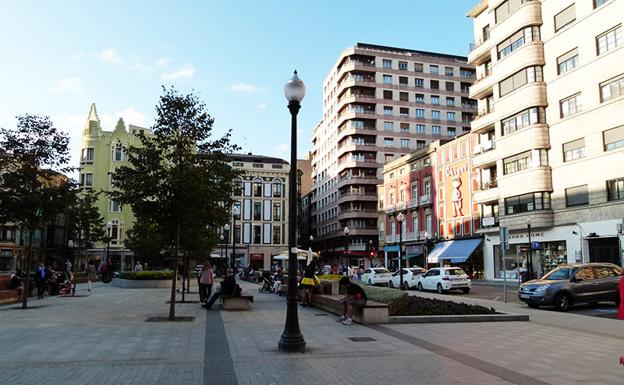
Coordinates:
x,y
613,138
565,17
567,61
574,150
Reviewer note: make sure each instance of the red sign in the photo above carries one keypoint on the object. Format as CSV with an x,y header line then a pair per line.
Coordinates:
x,y
256,256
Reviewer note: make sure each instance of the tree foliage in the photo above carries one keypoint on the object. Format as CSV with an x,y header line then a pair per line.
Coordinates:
x,y
85,224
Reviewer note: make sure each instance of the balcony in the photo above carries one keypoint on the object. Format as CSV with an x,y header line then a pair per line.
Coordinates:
x,y
390,209
400,206
484,155
348,197
489,222
484,119
479,51
358,180
488,192
357,214
413,203
482,87
425,200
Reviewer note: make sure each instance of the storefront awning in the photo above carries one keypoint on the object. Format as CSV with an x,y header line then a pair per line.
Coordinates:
x,y
454,251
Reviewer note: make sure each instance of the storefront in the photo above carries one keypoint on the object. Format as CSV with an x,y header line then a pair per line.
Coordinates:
x,y
256,260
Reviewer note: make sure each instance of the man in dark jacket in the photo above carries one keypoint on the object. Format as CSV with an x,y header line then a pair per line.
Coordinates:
x,y
355,297
228,287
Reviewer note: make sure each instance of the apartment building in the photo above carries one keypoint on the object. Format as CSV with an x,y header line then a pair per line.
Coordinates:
x,y
550,91
379,103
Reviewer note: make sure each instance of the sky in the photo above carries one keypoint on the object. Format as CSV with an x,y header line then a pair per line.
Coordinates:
x,y
57,57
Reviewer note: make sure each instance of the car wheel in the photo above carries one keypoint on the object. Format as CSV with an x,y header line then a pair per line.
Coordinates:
x,y
420,286
465,290
440,289
405,286
390,285
370,282
533,305
562,302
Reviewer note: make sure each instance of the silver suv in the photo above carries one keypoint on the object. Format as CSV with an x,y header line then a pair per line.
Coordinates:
x,y
572,284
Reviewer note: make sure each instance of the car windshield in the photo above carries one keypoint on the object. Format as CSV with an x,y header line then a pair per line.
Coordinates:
x,y
559,273
455,272
381,271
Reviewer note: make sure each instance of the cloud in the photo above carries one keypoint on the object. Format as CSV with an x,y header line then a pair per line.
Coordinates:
x,y
68,85
109,55
246,88
283,148
262,106
146,69
186,71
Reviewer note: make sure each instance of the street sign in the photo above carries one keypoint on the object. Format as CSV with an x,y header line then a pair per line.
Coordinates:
x,y
535,245
504,238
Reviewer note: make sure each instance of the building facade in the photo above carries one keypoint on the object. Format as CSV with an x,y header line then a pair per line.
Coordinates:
x,y
260,230
550,91
379,103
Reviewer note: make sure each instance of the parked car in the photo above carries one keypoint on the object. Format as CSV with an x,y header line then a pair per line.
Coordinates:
x,y
568,285
376,275
442,279
410,277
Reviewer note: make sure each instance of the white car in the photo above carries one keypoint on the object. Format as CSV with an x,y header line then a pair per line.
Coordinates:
x,y
442,279
410,277
376,275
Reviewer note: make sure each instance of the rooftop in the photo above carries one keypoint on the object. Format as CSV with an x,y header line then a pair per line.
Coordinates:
x,y
383,48
249,157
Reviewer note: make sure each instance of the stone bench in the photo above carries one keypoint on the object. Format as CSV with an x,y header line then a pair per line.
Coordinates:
x,y
236,303
7,295
371,313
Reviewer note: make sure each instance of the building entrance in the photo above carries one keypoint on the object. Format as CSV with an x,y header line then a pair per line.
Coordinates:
x,y
604,250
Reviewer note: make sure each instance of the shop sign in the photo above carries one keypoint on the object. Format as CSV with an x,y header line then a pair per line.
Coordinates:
x,y
538,234
256,256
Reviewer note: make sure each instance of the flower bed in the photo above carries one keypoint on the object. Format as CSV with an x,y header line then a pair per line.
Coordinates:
x,y
418,306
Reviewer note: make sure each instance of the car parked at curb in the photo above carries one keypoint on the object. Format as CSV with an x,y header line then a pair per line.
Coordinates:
x,y
410,277
376,276
572,284
442,279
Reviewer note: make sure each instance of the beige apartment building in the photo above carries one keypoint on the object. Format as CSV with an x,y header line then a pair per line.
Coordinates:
x,y
379,103
550,91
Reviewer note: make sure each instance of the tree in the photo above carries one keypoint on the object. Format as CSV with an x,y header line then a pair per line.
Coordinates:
x,y
178,178
145,240
32,189
84,221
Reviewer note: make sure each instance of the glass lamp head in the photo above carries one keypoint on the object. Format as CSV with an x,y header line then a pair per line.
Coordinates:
x,y
294,90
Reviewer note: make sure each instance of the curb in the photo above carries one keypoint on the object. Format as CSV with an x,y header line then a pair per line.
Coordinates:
x,y
458,318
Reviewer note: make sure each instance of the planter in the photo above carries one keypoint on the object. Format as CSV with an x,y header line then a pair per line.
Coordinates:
x,y
499,317
142,284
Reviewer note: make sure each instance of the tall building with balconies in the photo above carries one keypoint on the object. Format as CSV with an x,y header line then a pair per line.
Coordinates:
x,y
549,85
379,104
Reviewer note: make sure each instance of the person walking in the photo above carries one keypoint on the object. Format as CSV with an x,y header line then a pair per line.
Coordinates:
x,y
91,274
138,268
228,287
40,280
308,282
205,282
68,266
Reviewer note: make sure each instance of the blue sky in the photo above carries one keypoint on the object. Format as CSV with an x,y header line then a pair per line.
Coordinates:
x,y
59,56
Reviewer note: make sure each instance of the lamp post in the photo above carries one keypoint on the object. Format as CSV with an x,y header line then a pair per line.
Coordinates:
x,y
109,225
221,237
346,233
530,254
226,229
370,251
70,245
400,219
292,340
235,213
426,262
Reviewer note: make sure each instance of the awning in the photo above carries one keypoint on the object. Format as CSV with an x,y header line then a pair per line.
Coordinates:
x,y
454,251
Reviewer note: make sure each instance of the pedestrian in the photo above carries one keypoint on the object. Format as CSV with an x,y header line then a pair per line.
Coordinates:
x,y
228,287
308,282
206,279
17,283
104,271
40,279
91,274
355,296
68,266
138,268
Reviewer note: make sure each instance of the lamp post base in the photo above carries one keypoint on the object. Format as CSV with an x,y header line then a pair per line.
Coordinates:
x,y
292,343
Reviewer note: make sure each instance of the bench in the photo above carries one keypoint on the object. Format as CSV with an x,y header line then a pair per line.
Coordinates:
x,y
241,302
7,295
371,313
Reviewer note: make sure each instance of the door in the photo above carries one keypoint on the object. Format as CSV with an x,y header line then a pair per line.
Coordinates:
x,y
429,280
585,288
604,250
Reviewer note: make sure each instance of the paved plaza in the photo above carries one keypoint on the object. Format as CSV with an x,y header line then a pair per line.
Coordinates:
x,y
102,338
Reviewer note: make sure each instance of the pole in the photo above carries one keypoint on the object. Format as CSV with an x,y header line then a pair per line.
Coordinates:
x,y
347,254
400,223
504,273
31,233
175,275
292,339
530,261
233,241
227,234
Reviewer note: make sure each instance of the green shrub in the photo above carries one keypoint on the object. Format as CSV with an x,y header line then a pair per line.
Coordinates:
x,y
146,275
428,306
330,277
395,299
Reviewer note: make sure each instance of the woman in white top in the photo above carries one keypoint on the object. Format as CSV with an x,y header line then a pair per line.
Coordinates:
x,y
205,282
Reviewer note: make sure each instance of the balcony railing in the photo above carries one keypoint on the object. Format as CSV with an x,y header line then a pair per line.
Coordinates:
x,y
489,221
400,206
413,203
489,184
425,199
390,208
485,146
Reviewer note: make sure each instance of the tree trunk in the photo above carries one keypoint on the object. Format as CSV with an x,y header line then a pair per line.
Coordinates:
x,y
188,272
174,279
184,278
27,269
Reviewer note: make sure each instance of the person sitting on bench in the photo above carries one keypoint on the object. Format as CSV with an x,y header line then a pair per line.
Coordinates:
x,y
228,287
355,297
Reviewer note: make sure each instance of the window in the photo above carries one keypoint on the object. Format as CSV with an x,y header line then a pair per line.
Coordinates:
x,y
450,101
609,40
420,144
576,196
568,61
570,105
598,3
257,165
388,142
257,185
419,82
420,98
507,8
388,157
257,234
387,79
405,143
435,130
237,207
389,126
420,128
277,211
433,69
615,189
87,154
403,80
450,116
388,110
387,95
434,84
612,88
277,235
402,195
519,79
405,127
257,213
486,33
517,162
86,180
403,65
435,99
574,150
565,17
403,96
435,114
427,187
523,119
387,63
451,131
527,202
277,189
118,153
448,71
420,113
613,138
404,112
517,40
418,67
449,86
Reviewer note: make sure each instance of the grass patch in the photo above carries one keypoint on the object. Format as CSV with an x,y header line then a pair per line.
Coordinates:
x,y
427,306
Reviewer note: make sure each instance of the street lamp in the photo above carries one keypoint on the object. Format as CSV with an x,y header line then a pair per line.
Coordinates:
x,y
221,237
426,262
235,213
530,253
346,233
370,251
226,229
292,339
400,219
70,245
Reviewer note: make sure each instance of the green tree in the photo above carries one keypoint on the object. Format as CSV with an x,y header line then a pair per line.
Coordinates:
x,y
32,189
145,239
178,178
84,221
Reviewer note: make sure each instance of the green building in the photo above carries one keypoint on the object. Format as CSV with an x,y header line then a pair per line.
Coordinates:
x,y
101,152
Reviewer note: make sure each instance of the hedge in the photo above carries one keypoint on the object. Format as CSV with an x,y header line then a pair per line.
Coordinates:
x,y
429,306
146,275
